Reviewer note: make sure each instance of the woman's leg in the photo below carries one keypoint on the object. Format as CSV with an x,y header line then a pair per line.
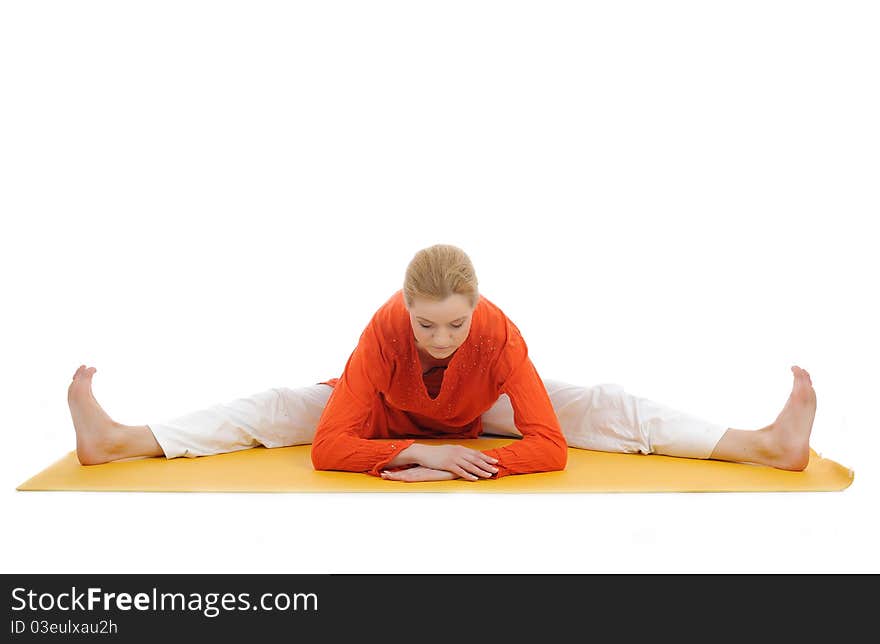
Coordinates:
x,y
606,418
98,437
274,418
784,443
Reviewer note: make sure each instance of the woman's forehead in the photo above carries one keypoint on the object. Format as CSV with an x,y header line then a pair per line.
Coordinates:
x,y
452,309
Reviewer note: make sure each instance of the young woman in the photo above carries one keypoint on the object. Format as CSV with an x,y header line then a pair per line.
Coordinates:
x,y
439,360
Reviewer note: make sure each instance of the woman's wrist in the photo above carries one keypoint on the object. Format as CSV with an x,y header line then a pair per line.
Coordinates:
x,y
407,456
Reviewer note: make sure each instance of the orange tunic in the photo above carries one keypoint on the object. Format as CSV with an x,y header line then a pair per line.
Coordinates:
x,y
384,399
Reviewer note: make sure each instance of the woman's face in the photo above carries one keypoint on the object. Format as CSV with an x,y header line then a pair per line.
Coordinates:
x,y
440,327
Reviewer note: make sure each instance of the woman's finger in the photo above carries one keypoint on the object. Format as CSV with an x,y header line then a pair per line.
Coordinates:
x,y
482,468
485,460
475,469
481,471
491,460
457,469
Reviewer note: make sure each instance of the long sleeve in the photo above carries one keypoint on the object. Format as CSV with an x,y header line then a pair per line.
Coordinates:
x,y
341,438
543,447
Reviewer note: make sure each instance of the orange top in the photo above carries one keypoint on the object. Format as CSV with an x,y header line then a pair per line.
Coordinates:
x,y
385,394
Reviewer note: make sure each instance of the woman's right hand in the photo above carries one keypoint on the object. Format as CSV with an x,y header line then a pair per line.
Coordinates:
x,y
462,461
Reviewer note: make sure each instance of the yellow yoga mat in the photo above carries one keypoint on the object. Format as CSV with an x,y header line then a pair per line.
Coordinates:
x,y
289,469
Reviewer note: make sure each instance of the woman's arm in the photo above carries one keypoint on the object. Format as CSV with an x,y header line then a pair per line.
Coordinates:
x,y
460,461
341,439
543,447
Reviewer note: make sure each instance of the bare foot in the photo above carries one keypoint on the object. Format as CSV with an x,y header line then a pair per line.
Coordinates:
x,y
788,438
95,431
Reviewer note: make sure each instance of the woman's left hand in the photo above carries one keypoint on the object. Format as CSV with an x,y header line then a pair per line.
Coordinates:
x,y
418,473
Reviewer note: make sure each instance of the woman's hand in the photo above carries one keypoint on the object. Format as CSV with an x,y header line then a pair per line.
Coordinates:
x,y
418,473
463,462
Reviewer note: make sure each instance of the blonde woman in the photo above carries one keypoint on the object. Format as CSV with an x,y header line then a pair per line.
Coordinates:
x,y
440,360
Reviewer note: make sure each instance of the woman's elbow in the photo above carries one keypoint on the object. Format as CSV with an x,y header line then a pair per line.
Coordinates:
x,y
558,457
322,456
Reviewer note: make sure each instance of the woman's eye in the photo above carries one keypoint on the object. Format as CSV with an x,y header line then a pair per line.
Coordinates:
x,y
428,326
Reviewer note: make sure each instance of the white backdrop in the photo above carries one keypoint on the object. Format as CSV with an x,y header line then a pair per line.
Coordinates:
x,y
207,199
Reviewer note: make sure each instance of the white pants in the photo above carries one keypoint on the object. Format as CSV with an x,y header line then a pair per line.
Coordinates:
x,y
603,417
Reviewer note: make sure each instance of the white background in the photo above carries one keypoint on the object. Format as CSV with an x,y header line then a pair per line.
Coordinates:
x,y
208,199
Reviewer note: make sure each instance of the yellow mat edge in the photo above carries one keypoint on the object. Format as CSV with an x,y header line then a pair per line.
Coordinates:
x,y
31,485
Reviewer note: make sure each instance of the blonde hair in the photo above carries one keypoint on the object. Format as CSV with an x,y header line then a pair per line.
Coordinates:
x,y
439,271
